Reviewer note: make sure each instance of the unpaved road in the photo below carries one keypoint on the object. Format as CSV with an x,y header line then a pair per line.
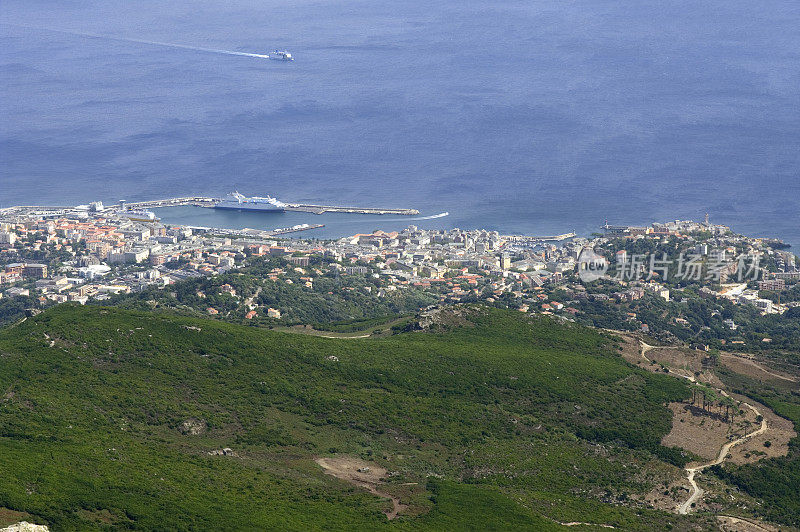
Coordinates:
x,y
646,348
343,337
738,524
755,365
310,331
361,473
581,523
697,492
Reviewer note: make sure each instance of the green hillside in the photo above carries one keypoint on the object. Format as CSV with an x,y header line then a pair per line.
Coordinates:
x,y
108,418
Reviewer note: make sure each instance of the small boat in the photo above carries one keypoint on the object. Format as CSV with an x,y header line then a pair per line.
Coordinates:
x,y
281,55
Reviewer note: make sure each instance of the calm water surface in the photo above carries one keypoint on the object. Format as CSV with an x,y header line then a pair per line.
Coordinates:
x,y
523,116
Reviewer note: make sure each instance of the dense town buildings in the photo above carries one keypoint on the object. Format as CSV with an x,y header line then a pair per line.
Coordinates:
x,y
83,256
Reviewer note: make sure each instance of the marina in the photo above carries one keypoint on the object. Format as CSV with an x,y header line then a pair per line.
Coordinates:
x,y
234,201
333,224
209,202
236,213
549,238
296,228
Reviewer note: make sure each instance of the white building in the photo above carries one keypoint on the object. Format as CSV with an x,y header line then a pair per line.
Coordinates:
x,y
7,238
764,305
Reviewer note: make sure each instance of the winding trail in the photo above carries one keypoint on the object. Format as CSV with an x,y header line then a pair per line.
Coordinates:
x,y
377,330
758,366
342,337
322,334
646,348
739,520
363,474
697,491
581,523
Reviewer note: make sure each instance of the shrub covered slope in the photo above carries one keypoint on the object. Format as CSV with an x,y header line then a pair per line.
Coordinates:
x,y
111,418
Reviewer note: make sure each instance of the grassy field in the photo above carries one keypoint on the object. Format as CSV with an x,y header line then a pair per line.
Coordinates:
x,y
108,418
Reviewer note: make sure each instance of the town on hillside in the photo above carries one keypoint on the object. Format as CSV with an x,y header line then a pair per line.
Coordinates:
x,y
693,282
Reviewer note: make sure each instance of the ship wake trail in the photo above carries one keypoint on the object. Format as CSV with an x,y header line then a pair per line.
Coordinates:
x,y
432,217
142,41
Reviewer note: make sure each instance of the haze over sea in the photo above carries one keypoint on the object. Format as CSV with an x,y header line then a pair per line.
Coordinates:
x,y
524,116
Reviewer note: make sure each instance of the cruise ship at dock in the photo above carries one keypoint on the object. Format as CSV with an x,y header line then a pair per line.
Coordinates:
x,y
240,202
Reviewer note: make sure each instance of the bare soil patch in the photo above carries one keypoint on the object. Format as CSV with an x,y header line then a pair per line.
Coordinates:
x,y
729,523
700,434
779,432
688,360
631,348
363,474
749,367
9,517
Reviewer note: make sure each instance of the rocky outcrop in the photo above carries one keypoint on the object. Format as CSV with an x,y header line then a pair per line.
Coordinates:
x,y
227,451
193,427
24,526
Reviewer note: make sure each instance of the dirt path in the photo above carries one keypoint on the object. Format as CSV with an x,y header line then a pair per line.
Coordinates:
x,y
646,348
581,523
756,365
374,331
309,331
363,474
697,492
343,337
728,522
730,357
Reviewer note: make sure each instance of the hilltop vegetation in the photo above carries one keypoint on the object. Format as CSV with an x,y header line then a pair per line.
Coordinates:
x,y
333,297
108,416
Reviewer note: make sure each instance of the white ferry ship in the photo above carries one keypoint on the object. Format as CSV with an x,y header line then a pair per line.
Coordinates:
x,y
237,201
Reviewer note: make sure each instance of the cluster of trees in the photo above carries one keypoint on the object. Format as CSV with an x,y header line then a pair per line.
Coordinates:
x,y
709,400
705,321
13,309
333,298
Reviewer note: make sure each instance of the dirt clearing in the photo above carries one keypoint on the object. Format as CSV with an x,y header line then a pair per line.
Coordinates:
x,y
700,434
747,366
363,474
737,524
779,432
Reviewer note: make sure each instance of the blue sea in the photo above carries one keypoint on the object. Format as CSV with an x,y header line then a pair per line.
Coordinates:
x,y
523,116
